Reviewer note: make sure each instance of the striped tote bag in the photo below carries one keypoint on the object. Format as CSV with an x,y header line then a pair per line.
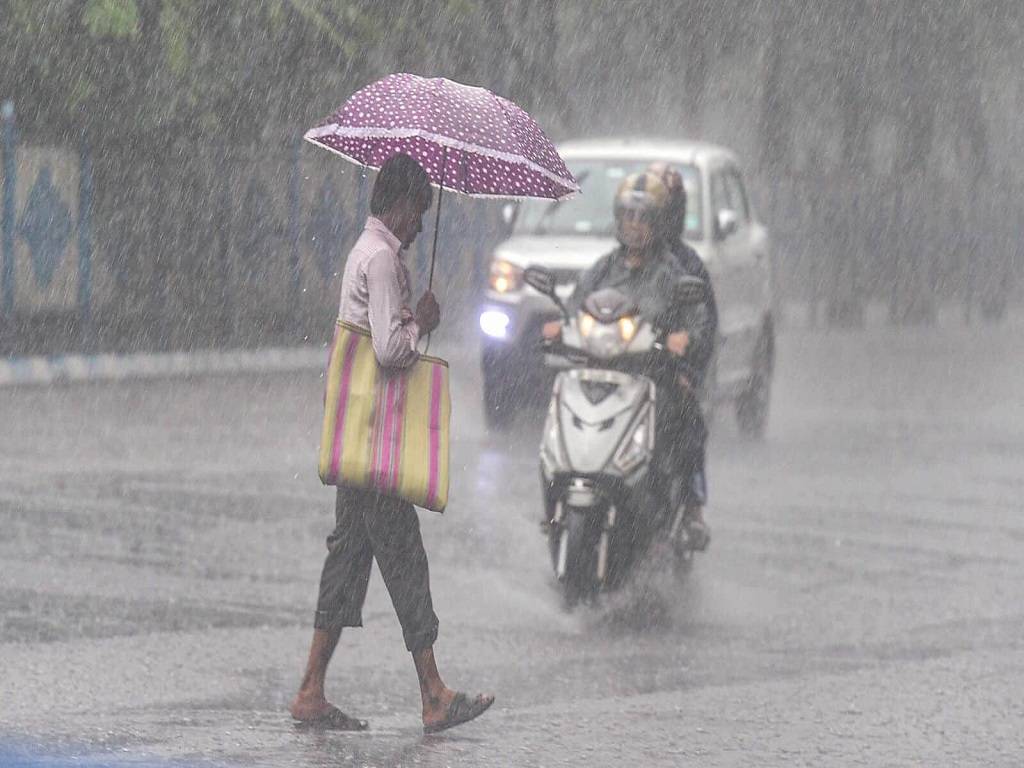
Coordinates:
x,y
385,430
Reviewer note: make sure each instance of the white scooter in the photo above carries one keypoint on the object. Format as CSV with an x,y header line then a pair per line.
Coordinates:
x,y
605,495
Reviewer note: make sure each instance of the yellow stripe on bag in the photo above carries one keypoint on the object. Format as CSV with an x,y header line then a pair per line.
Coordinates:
x,y
330,406
413,481
446,418
357,436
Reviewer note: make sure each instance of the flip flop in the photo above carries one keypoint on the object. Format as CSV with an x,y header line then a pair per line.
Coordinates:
x,y
332,719
460,711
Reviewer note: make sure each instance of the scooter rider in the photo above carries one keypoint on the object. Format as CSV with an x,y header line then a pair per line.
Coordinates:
x,y
693,367
644,267
673,220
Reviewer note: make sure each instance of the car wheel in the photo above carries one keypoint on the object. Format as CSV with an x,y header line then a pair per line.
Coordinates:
x,y
499,404
500,391
752,406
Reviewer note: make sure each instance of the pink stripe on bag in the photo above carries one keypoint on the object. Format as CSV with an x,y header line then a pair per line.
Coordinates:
x,y
380,401
348,363
435,436
382,426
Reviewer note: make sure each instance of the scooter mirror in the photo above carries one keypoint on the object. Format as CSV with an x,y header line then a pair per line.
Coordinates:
x,y
542,280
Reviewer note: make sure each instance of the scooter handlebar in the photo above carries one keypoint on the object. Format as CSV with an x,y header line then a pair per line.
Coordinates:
x,y
657,355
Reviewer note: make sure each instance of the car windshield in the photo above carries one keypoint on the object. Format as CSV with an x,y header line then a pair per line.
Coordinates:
x,y
590,213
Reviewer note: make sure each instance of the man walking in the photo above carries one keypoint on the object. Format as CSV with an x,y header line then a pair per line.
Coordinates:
x,y
375,295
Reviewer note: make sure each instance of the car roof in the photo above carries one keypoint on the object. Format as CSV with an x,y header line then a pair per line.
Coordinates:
x,y
668,150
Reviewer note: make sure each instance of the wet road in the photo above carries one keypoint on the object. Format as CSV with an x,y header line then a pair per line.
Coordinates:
x,y
862,602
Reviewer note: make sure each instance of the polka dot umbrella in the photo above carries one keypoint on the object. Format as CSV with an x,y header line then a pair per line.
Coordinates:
x,y
468,139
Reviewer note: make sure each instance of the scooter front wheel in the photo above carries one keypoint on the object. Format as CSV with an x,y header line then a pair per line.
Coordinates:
x,y
574,555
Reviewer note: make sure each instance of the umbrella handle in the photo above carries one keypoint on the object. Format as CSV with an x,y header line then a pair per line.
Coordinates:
x,y
437,217
437,227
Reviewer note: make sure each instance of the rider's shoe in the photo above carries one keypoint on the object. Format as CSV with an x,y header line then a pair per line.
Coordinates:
x,y
698,533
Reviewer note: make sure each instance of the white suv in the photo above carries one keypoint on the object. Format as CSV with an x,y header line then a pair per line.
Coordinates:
x,y
569,236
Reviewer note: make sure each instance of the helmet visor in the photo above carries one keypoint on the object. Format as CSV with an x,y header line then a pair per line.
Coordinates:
x,y
641,213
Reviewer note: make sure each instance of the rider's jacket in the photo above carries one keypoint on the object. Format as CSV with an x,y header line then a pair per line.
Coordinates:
x,y
650,286
702,348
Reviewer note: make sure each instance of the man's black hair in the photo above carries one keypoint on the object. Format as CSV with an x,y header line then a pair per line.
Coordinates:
x,y
400,178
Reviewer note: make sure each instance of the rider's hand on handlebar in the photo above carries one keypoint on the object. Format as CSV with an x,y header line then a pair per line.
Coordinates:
x,y
552,330
677,342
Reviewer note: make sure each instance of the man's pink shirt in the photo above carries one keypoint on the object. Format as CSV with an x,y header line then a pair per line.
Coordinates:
x,y
375,295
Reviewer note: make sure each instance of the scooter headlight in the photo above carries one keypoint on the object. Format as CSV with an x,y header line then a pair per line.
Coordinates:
x,y
606,340
638,447
627,328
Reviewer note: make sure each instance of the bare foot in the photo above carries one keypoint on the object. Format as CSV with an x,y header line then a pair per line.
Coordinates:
x,y
327,717
460,709
308,706
435,709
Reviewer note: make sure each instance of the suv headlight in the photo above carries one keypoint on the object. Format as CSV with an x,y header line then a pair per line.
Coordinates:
x,y
505,276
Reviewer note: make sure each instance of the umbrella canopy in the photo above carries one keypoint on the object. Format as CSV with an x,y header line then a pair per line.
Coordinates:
x,y
468,139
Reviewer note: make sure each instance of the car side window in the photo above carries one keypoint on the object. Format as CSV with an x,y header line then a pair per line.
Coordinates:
x,y
719,193
737,196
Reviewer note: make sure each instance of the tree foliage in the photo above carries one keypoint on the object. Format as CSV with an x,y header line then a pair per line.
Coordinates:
x,y
862,108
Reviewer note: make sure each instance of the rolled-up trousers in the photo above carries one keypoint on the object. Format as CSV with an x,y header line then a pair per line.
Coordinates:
x,y
370,526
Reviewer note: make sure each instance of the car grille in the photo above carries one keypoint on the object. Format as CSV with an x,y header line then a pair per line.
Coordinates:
x,y
566,276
